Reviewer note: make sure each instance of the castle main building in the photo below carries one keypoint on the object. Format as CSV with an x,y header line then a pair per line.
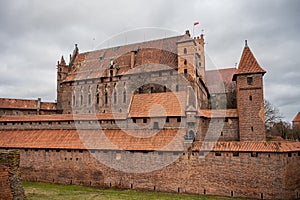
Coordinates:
x,y
150,116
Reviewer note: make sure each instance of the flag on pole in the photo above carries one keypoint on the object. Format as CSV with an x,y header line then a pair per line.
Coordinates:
x,y
196,23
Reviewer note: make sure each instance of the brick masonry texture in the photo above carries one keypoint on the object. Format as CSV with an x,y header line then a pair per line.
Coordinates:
x,y
262,175
10,179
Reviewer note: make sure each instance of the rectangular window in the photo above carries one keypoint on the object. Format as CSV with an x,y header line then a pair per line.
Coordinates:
x,y
249,80
178,119
155,125
145,120
134,120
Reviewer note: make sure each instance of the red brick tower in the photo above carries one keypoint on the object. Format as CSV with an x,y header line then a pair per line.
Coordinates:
x,y
62,71
250,97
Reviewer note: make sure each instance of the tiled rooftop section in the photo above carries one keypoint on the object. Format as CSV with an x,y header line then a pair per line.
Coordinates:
x,y
219,80
231,113
297,117
284,146
158,104
248,64
25,104
93,64
63,117
168,140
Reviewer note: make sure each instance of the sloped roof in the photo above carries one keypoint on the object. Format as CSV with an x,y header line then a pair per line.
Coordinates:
x,y
248,64
167,140
91,66
282,146
218,80
25,104
231,113
297,118
158,104
62,117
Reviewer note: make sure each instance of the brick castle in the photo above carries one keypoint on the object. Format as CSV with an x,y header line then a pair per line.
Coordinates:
x,y
150,116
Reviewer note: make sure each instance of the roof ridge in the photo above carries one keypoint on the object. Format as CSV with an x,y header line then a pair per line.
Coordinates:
x,y
135,43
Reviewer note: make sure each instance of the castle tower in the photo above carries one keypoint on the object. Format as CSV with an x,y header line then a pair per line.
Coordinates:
x,y
250,97
191,56
62,71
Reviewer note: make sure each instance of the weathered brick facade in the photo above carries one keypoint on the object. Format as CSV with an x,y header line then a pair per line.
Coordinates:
x,y
10,179
149,116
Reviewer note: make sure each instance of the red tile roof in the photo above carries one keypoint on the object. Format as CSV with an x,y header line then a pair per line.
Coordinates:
x,y
158,104
89,65
148,140
63,117
167,140
218,80
231,113
282,146
248,64
297,117
25,104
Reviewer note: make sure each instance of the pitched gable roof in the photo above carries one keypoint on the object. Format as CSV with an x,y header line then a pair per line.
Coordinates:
x,y
219,80
297,118
248,64
158,104
148,140
93,64
26,104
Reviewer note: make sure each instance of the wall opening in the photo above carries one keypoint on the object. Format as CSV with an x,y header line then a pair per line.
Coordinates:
x,y
232,193
109,184
252,128
154,188
155,125
131,186
262,196
250,98
249,80
204,191
178,190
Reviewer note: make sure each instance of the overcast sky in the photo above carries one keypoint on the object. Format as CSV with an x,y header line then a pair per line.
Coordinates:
x,y
35,34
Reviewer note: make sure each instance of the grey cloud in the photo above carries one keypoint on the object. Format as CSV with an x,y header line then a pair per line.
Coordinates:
x,y
35,34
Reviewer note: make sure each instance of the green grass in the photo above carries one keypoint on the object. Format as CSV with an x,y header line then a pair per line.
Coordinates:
x,y
41,191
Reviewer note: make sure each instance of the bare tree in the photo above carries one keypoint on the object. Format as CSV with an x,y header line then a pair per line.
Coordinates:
x,y
272,115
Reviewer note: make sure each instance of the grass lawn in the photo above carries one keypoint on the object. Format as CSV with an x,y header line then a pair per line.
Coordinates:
x,y
43,191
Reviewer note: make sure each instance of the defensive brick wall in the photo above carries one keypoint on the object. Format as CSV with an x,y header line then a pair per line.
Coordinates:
x,y
237,174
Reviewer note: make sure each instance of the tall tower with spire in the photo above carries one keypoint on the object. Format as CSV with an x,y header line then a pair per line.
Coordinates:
x,y
250,97
62,72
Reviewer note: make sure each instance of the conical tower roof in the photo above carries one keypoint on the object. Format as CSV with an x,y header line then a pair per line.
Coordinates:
x,y
248,64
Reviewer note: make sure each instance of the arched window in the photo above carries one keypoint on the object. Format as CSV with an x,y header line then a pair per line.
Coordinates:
x,y
124,96
185,62
105,98
74,100
185,51
81,99
115,97
97,97
89,99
